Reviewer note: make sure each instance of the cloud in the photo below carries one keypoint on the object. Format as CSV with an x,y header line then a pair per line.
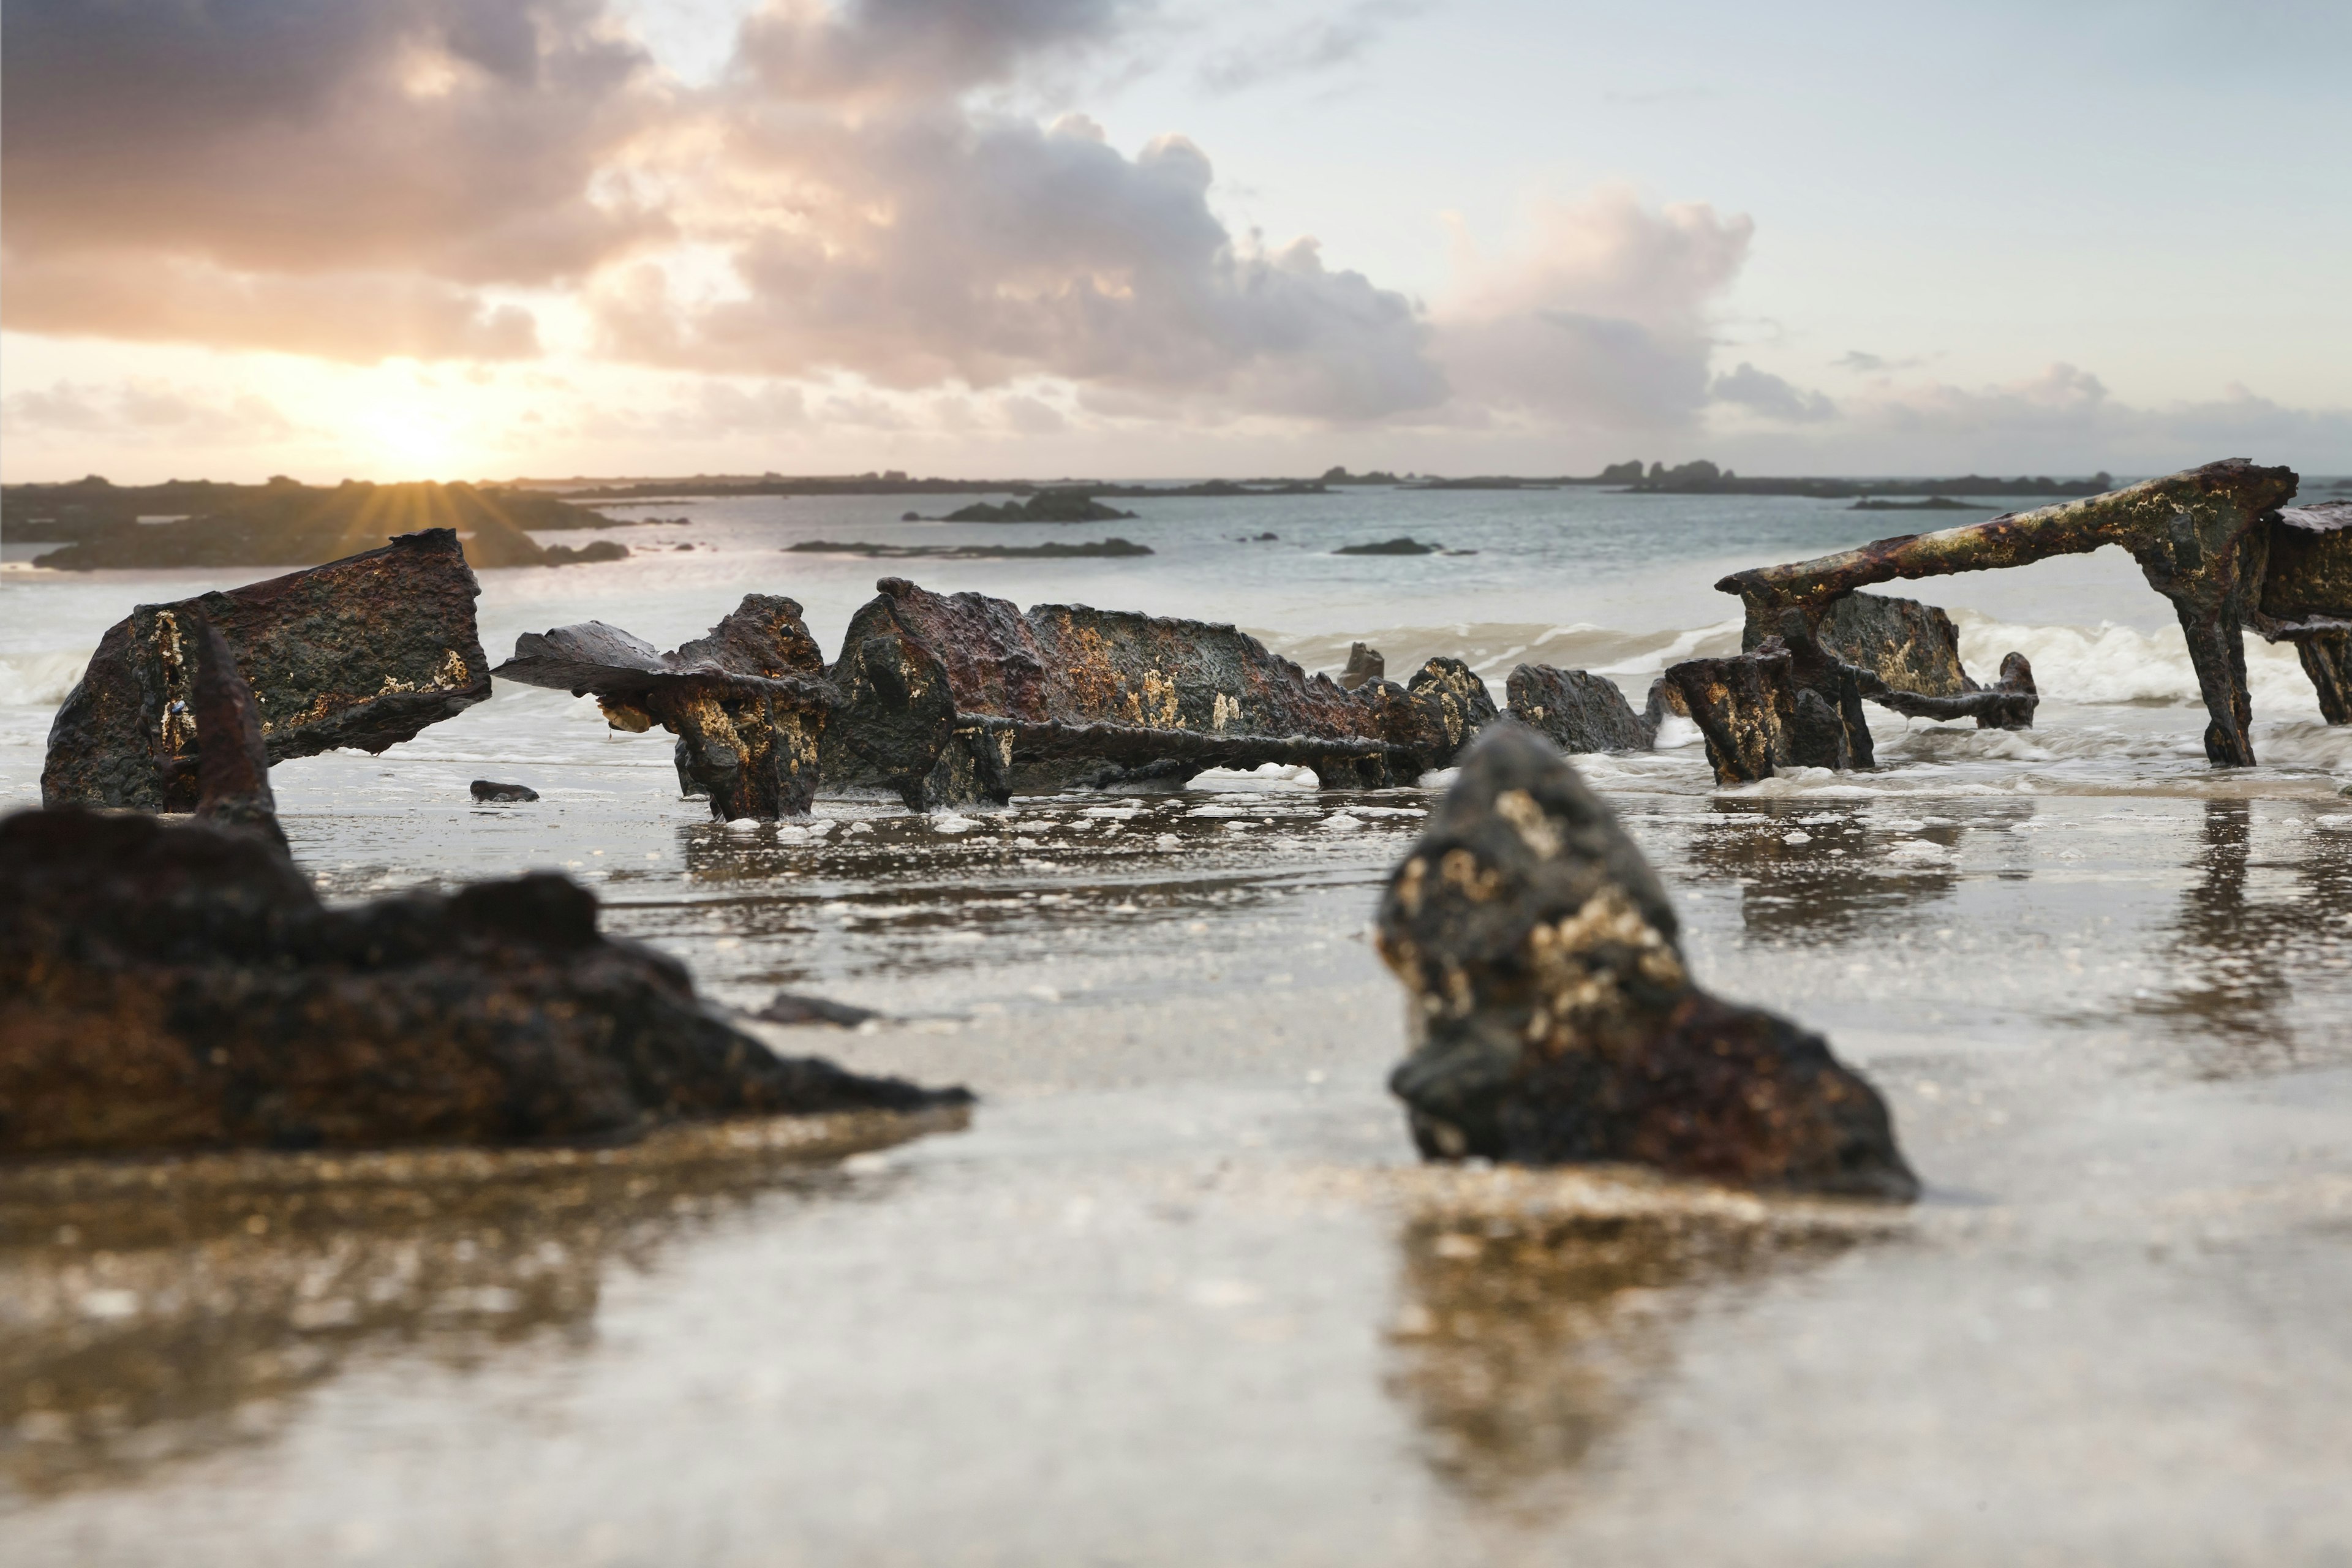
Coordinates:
x,y
1770,397
1600,318
918,246
145,412
800,51
359,317
2061,419
1864,364
238,145
1317,46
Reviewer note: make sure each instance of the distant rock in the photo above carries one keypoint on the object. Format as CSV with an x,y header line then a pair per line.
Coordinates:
x,y
1404,546
484,790
287,524
1046,506
1364,664
1109,549
1933,503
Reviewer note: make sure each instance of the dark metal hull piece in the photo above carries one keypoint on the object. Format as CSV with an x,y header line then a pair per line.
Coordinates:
x,y
362,652
1553,1016
1576,710
179,986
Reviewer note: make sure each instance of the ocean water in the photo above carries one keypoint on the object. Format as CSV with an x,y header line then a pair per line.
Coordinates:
x,y
1578,578
1178,1291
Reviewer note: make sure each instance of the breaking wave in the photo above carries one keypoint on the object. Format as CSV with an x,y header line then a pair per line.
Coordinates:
x,y
39,680
2110,664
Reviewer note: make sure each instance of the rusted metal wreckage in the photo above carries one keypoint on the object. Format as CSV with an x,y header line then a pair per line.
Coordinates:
x,y
364,651
947,699
2220,541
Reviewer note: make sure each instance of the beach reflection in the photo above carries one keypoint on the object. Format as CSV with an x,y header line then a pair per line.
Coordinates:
x,y
152,1312
1811,875
1522,1343
2245,933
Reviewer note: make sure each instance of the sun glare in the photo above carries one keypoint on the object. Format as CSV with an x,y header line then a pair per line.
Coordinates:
x,y
417,441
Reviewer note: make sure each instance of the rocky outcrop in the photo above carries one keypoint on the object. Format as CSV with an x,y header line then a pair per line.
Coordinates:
x,y
749,702
171,985
1577,710
1554,1019
362,652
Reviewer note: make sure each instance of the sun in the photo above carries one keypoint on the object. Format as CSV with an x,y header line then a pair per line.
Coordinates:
x,y
417,440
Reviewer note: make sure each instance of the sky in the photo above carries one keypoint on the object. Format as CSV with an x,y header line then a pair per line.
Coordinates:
x,y
491,239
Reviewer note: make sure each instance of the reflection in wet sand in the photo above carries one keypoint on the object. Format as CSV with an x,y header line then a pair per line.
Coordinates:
x,y
155,1309
1810,875
1531,1326
2239,955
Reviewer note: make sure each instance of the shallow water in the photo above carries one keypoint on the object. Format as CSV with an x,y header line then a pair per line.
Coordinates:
x,y
1178,1292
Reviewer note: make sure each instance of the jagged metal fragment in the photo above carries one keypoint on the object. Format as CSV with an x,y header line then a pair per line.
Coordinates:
x,y
2306,599
2008,705
1908,645
749,702
1553,1016
1744,704
1577,710
1364,663
364,652
953,698
2202,538
232,761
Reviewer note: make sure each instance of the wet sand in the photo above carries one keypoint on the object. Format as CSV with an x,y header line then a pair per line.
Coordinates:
x,y
1179,1293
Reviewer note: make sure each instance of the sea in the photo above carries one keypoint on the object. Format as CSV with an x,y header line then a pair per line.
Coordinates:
x,y
1177,1291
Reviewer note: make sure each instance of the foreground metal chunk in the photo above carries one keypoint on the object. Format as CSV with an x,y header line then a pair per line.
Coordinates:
x,y
1578,712
749,702
179,986
1554,1019
953,698
363,652
2203,539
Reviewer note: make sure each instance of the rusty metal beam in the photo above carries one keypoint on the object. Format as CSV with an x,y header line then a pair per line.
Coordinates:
x,y
2201,538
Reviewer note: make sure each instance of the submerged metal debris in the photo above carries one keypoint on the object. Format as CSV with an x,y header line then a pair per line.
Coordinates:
x,y
2212,539
1554,1019
363,652
946,700
749,702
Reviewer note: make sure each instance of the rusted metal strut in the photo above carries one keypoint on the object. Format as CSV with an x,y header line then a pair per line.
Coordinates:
x,y
2204,538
